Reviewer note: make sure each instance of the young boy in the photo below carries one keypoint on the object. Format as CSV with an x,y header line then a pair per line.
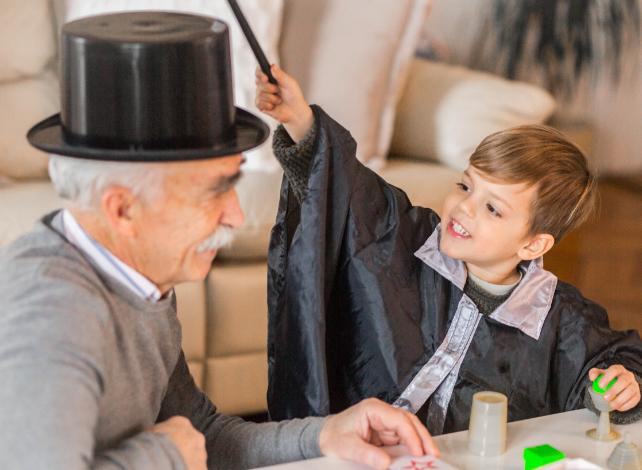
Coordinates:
x,y
370,296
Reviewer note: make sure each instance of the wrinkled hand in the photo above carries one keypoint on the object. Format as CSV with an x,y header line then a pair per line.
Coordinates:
x,y
625,393
189,442
284,102
356,433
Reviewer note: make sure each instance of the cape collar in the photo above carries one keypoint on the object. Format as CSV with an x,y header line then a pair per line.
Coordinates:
x,y
529,303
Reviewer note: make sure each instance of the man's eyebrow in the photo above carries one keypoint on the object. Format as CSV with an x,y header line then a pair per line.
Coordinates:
x,y
225,183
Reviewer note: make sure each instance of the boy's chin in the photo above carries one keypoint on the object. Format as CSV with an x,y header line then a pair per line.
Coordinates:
x,y
451,251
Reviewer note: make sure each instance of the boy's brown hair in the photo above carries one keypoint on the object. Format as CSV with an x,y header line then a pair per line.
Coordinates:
x,y
540,155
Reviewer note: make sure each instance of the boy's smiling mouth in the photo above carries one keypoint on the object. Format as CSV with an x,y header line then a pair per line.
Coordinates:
x,y
457,230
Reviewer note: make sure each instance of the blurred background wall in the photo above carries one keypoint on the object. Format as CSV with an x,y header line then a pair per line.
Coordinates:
x,y
587,52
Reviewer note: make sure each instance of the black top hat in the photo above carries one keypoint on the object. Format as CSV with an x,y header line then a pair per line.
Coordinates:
x,y
147,86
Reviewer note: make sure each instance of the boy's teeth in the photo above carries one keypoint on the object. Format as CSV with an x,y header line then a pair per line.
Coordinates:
x,y
459,229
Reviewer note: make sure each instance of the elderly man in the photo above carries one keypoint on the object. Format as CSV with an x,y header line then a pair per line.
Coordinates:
x,y
90,359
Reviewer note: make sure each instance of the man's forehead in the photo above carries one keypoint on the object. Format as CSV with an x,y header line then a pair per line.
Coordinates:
x,y
209,168
199,177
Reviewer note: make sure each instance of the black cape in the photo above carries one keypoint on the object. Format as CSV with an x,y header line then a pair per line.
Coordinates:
x,y
353,313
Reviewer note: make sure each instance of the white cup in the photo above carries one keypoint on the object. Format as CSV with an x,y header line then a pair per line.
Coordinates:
x,y
487,427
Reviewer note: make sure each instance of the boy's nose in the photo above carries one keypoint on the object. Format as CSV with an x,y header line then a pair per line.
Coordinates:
x,y
467,206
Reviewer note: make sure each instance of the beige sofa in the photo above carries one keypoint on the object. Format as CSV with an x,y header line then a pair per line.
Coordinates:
x,y
225,318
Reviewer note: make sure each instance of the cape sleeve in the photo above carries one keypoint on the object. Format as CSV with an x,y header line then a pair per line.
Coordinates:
x,y
345,211
587,341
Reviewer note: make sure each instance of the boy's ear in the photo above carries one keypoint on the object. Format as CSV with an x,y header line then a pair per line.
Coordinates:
x,y
537,246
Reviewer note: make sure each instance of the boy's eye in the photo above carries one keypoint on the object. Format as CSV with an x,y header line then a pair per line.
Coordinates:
x,y
463,187
493,211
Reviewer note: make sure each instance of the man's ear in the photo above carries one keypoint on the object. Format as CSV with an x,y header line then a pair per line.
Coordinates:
x,y
119,205
537,246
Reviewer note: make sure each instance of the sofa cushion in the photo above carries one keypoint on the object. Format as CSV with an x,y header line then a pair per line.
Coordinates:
x,y
27,37
25,102
263,16
350,57
236,321
447,110
426,184
238,384
22,204
190,306
197,369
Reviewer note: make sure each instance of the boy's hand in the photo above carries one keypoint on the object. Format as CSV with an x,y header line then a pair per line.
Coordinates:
x,y
625,393
284,102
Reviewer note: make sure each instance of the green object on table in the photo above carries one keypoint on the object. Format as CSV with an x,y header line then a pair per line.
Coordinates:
x,y
538,456
598,389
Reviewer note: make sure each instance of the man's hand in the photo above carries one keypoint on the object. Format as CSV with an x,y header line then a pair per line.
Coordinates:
x,y
284,102
625,393
189,442
355,433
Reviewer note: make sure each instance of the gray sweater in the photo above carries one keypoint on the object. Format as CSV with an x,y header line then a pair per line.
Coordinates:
x,y
87,367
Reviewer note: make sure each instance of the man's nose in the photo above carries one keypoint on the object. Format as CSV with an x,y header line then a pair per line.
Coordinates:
x,y
232,214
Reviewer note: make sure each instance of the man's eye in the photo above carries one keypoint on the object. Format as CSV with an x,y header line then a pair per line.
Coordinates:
x,y
463,187
492,210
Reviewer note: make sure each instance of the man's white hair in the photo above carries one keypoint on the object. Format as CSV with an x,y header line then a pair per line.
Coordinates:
x,y
83,181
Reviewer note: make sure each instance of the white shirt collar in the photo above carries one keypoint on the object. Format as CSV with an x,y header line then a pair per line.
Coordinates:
x,y
123,273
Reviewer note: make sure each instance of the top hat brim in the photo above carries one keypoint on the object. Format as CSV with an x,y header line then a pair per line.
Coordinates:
x,y
249,132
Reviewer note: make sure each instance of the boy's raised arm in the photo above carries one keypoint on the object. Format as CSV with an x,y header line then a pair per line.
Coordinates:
x,y
295,139
334,214
284,102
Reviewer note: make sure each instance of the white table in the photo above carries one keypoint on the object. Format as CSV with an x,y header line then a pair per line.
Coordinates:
x,y
564,431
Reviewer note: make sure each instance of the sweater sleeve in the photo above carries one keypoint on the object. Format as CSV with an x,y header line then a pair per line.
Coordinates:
x,y
233,442
296,159
53,376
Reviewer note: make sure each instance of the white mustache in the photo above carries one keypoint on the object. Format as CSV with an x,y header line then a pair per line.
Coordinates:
x,y
219,239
